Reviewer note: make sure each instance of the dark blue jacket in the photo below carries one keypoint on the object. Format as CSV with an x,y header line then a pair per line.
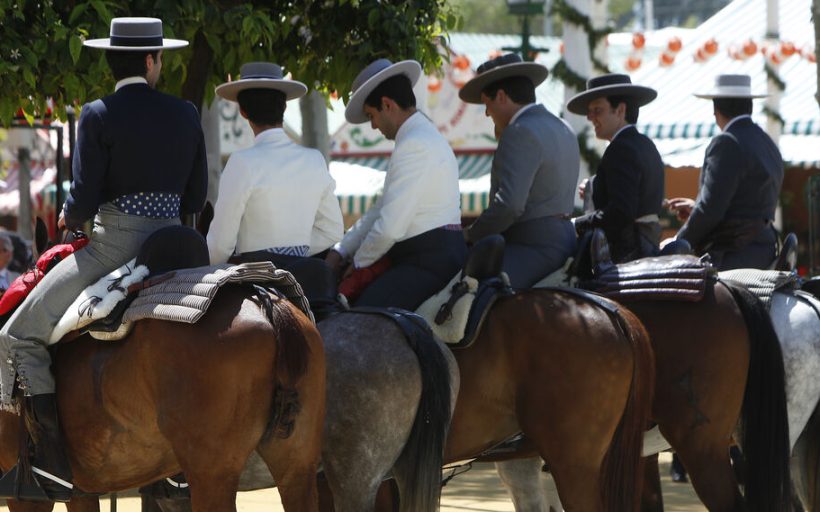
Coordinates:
x,y
629,184
136,140
739,189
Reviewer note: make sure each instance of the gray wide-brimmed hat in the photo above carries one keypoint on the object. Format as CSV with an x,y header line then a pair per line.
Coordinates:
x,y
731,86
613,84
498,68
370,78
261,75
136,34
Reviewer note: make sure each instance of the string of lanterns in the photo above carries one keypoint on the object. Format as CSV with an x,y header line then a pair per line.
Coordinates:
x,y
775,54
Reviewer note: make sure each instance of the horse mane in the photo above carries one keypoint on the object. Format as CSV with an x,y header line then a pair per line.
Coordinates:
x,y
292,353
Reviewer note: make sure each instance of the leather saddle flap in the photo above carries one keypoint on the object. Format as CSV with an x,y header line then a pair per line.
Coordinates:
x,y
675,277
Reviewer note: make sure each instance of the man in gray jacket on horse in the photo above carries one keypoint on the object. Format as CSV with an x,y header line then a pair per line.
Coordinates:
x,y
534,173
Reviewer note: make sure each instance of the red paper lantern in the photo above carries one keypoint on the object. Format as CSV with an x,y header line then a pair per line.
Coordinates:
x,y
749,48
675,44
787,49
638,40
434,84
711,46
632,63
667,59
461,62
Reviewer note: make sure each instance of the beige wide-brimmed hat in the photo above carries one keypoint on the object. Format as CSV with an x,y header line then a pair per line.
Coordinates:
x,y
498,68
731,86
261,75
613,84
135,34
370,78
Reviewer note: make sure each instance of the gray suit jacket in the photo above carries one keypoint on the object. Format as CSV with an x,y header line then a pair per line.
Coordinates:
x,y
534,174
739,188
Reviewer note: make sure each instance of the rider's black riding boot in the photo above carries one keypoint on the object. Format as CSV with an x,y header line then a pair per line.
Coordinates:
x,y
47,469
50,463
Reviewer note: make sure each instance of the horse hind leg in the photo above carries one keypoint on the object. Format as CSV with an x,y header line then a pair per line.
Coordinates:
x,y
522,478
712,477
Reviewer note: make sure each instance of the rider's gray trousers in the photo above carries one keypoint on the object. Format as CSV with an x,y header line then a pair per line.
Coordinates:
x,y
24,339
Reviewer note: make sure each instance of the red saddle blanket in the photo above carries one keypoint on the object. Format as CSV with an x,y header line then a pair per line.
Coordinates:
x,y
22,286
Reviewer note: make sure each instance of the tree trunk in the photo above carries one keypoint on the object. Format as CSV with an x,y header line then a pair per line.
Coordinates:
x,y
24,176
816,16
199,69
210,127
314,123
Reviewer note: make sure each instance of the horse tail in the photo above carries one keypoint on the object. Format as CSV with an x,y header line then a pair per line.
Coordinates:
x,y
764,424
420,462
292,353
622,469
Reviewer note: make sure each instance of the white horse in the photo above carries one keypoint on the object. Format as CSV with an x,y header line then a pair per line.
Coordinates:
x,y
796,319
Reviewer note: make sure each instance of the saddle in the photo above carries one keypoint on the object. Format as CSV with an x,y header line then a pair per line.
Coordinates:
x,y
180,286
457,312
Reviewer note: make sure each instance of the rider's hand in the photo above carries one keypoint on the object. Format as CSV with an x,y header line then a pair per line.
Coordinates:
x,y
582,188
681,206
61,221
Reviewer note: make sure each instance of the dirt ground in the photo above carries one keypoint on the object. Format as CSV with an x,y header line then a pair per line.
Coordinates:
x,y
478,490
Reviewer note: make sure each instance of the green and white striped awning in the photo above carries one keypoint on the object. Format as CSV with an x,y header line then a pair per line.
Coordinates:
x,y
359,181
707,130
470,165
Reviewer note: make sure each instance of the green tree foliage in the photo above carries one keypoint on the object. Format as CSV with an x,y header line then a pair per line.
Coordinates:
x,y
323,43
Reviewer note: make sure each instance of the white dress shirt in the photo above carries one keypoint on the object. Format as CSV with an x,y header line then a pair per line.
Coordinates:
x,y
420,193
274,194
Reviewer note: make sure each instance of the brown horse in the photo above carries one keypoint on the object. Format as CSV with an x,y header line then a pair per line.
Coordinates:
x,y
574,378
719,375
198,399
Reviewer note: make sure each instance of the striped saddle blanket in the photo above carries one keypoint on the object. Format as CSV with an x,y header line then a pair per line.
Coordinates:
x,y
177,296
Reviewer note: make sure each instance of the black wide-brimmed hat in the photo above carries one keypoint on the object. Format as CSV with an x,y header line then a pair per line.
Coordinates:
x,y
261,75
135,34
498,68
614,84
370,78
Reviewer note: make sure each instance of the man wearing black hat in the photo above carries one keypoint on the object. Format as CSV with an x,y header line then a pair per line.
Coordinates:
x,y
739,184
534,173
276,198
139,165
627,190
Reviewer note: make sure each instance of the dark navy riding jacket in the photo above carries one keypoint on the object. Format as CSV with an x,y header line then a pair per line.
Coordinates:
x,y
137,140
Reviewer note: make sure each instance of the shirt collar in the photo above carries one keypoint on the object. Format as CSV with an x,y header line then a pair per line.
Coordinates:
x,y
622,129
130,80
415,118
735,119
521,111
269,134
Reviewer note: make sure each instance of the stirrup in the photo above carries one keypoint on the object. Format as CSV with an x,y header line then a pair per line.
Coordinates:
x,y
21,486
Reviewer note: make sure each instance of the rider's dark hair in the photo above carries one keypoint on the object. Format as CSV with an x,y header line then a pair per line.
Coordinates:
x,y
733,107
398,88
518,88
264,107
128,63
631,115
